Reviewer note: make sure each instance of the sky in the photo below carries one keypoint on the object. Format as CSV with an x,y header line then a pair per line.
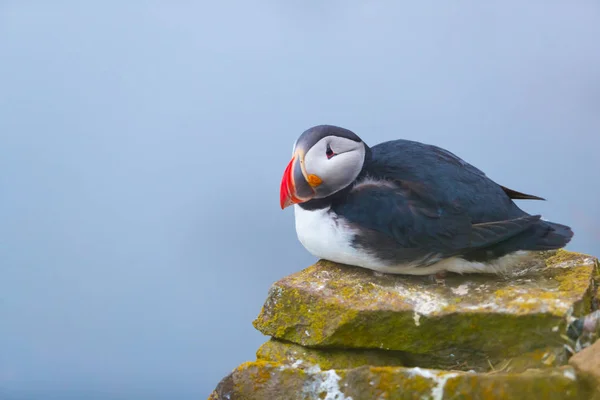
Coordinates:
x,y
142,145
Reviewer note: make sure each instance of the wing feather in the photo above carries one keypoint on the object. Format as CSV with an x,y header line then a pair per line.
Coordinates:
x,y
407,218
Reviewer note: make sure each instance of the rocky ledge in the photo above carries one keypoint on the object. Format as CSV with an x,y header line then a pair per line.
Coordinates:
x,y
341,332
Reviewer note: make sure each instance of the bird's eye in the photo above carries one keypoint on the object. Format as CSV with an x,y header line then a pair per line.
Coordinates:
x,y
329,153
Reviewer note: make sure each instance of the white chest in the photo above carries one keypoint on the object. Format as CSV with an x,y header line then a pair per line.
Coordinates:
x,y
325,236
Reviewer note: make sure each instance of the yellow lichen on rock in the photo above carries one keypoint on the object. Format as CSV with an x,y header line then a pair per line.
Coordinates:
x,y
331,305
346,333
304,357
368,382
287,353
587,363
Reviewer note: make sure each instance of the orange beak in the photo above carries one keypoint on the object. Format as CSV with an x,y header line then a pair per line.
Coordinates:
x,y
287,191
296,185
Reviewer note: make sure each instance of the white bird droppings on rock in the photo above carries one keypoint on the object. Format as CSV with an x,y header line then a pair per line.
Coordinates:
x,y
570,374
437,393
573,263
324,382
417,317
423,302
461,290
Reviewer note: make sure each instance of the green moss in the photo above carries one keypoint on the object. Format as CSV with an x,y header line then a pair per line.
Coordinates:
x,y
390,380
303,357
257,372
563,256
332,326
300,318
263,380
553,384
547,357
333,306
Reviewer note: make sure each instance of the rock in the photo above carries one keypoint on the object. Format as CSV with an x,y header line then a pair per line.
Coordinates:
x,y
292,354
584,331
471,317
264,380
346,333
587,363
295,355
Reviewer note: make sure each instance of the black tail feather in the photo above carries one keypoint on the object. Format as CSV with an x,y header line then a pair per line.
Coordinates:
x,y
513,194
550,236
544,235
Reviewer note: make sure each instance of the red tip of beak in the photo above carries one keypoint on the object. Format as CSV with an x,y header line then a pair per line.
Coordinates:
x,y
287,191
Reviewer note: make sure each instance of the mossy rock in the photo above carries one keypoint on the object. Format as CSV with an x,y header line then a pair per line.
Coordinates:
x,y
262,380
587,364
292,354
303,357
473,316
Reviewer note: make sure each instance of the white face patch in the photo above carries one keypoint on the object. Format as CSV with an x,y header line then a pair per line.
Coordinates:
x,y
336,172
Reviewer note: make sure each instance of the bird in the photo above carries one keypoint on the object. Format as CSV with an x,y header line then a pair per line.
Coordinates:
x,y
406,207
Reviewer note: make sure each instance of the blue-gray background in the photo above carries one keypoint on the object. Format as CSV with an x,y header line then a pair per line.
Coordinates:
x,y
142,146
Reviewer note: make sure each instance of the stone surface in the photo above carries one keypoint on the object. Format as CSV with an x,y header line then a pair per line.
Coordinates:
x,y
584,331
262,380
293,354
587,363
470,317
300,356
346,333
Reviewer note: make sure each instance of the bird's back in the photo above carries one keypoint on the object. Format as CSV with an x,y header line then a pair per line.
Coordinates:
x,y
443,177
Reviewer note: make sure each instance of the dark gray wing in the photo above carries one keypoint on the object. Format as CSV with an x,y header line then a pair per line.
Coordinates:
x,y
403,225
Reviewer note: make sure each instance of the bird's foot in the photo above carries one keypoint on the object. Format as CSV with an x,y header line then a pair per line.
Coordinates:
x,y
438,278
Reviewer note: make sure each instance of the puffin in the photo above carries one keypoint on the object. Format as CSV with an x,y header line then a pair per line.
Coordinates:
x,y
405,207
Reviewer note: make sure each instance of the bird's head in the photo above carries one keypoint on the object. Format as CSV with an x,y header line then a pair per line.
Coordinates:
x,y
325,160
